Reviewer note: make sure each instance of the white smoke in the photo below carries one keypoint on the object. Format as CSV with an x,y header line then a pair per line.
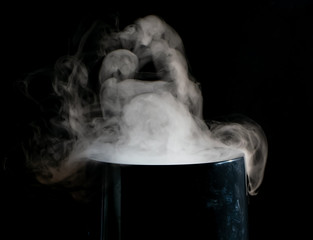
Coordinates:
x,y
133,119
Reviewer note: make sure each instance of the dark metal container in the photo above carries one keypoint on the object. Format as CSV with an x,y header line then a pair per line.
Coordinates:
x,y
192,201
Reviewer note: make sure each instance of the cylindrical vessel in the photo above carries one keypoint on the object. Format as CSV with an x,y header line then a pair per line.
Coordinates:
x,y
191,201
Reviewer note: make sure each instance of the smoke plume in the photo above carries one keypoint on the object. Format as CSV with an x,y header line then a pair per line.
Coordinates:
x,y
127,97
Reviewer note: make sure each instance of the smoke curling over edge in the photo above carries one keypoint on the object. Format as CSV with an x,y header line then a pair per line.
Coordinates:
x,y
128,97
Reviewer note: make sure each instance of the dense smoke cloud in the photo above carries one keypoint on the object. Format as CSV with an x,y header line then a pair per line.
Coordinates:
x,y
132,114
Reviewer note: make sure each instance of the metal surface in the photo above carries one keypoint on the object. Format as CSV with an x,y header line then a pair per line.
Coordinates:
x,y
199,201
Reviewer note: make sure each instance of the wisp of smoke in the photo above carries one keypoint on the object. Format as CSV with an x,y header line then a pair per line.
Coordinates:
x,y
132,115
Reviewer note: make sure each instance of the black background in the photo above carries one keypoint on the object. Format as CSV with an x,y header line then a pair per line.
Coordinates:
x,y
251,57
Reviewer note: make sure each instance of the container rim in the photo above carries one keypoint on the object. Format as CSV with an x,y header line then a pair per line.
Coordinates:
x,y
217,162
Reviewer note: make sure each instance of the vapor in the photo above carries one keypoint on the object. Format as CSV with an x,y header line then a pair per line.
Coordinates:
x,y
143,107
